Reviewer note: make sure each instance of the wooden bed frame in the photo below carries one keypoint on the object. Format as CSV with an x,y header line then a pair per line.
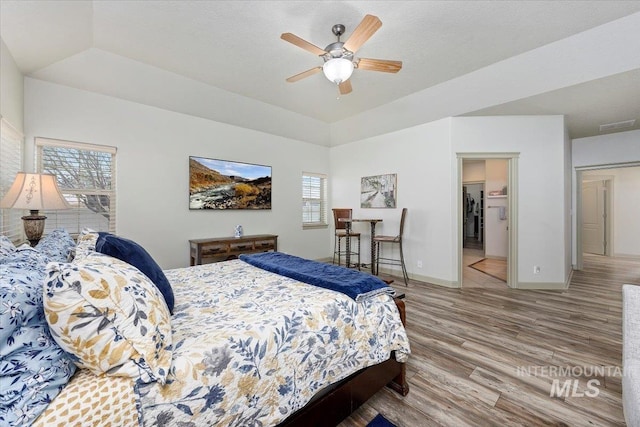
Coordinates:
x,y
338,401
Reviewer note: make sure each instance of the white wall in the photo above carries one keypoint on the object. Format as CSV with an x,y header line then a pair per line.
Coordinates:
x,y
424,157
621,147
11,89
600,151
539,140
496,233
495,175
421,158
568,211
152,169
626,206
473,171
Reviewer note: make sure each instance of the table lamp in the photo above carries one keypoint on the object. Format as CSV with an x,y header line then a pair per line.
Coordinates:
x,y
34,191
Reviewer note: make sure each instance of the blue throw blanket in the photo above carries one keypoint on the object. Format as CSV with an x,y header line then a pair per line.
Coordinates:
x,y
352,283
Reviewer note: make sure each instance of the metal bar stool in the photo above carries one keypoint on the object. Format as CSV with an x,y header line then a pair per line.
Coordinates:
x,y
341,233
378,240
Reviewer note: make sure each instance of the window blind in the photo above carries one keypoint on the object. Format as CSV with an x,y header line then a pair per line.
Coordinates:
x,y
314,204
86,177
10,164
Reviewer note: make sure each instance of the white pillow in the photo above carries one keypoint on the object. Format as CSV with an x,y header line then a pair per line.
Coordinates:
x,y
110,316
86,243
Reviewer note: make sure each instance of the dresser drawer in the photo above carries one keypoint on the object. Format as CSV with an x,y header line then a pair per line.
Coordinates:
x,y
224,248
263,245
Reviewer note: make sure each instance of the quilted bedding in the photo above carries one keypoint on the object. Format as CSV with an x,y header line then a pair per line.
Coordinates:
x,y
251,347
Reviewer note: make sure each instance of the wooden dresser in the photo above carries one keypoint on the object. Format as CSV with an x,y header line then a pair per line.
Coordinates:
x,y
224,248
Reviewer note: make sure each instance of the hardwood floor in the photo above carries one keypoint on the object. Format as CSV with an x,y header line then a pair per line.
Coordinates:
x,y
469,344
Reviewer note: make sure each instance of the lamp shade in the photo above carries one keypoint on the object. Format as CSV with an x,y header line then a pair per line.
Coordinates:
x,y
34,191
338,70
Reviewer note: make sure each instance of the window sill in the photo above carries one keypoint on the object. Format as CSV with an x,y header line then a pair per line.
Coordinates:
x,y
314,226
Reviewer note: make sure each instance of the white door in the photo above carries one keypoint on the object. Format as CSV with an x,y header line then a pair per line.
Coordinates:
x,y
593,217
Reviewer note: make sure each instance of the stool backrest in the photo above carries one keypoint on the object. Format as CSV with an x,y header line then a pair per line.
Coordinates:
x,y
340,213
404,214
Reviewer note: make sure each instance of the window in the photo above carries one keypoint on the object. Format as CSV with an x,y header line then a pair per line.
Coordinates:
x,y
86,177
314,203
10,164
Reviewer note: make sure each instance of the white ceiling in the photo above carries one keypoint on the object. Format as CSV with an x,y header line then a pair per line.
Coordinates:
x,y
235,46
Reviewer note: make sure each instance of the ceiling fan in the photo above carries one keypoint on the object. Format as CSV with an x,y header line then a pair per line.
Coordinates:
x,y
339,59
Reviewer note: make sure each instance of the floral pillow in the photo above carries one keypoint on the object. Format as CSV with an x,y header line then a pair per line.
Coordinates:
x,y
6,246
56,245
33,367
134,254
110,316
86,243
28,259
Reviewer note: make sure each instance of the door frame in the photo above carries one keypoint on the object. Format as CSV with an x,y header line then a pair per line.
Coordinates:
x,y
512,211
578,206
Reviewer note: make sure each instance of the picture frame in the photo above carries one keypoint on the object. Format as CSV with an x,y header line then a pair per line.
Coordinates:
x,y
216,184
378,191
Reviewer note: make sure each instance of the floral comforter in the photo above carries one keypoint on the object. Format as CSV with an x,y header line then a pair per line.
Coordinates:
x,y
252,347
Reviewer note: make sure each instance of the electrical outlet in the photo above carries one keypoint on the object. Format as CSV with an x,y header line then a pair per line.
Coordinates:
x,y
419,264
536,269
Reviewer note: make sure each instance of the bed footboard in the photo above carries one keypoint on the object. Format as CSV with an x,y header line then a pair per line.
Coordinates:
x,y
399,383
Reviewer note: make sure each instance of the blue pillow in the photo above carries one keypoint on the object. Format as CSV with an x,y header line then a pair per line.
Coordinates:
x,y
56,245
33,367
6,246
132,253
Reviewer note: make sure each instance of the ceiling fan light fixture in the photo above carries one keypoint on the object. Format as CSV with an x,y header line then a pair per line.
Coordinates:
x,y
337,70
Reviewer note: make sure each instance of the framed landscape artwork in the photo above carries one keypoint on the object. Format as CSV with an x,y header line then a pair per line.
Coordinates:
x,y
378,191
223,184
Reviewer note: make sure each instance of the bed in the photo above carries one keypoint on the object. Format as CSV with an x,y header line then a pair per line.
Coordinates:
x,y
247,347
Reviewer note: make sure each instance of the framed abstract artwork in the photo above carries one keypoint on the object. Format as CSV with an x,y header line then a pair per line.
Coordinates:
x,y
223,184
378,191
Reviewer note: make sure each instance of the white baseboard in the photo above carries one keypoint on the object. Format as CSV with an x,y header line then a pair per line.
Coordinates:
x,y
421,278
558,286
628,256
416,277
435,281
568,281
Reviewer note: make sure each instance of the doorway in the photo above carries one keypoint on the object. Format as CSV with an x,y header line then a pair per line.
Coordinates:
x,y
473,216
622,230
487,241
596,215
621,201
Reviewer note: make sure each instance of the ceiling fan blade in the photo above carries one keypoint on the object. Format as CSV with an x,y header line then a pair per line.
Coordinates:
x,y
304,74
367,27
292,38
383,65
345,87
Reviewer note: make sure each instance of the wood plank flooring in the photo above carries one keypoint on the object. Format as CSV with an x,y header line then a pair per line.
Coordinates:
x,y
468,345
